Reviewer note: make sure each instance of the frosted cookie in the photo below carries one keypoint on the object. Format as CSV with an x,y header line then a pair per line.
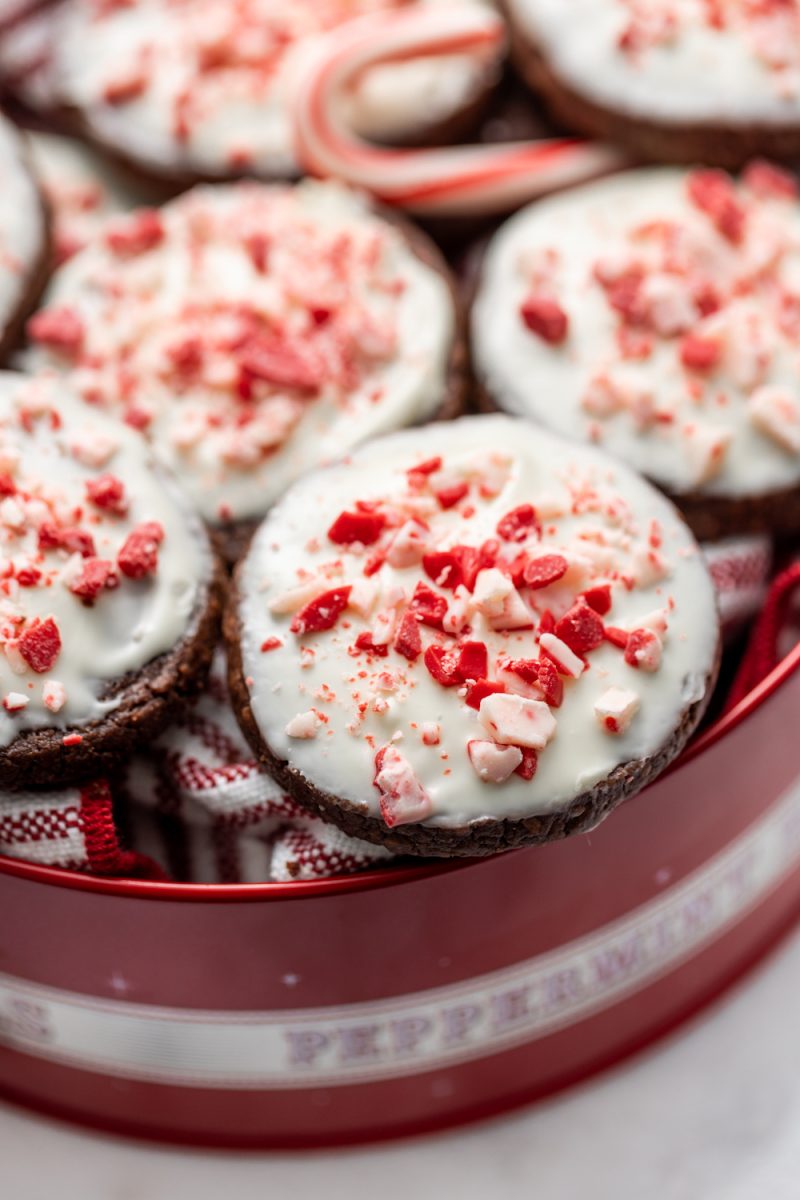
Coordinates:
x,y
715,81
24,239
471,637
109,591
191,90
255,331
657,313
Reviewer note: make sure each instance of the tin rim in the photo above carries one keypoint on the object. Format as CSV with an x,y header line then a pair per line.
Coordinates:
x,y
365,880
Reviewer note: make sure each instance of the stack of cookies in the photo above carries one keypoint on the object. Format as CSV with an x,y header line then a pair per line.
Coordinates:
x,y
455,537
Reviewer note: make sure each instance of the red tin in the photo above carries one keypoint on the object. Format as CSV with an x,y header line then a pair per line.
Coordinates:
x,y
403,1000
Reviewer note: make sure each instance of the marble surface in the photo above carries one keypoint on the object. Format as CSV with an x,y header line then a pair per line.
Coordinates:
x,y
713,1113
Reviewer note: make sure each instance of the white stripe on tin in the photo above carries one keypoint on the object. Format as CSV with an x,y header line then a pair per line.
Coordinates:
x,y
405,1035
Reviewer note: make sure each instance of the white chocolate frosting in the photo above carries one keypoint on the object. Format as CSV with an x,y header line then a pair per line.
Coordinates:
x,y
102,566
254,331
204,88
378,727
726,62
656,313
22,228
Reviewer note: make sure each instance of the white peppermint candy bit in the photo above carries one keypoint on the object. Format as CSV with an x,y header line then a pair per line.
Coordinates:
x,y
492,590
15,702
363,595
408,545
775,411
566,660
706,447
304,725
493,763
295,598
54,695
517,720
615,709
403,798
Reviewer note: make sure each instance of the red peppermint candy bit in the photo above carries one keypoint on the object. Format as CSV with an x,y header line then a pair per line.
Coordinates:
x,y
96,574
624,295
374,563
108,493
279,364
128,87
713,192
407,640
443,666
365,642
364,527
71,739
547,622
429,467
580,628
449,568
448,497
473,660
7,485
138,555
599,598
541,674
766,180
428,606
639,640
700,353
142,231
479,690
322,612
518,524
270,643
257,246
40,645
546,318
530,761
541,572
74,540
28,576
617,637
59,328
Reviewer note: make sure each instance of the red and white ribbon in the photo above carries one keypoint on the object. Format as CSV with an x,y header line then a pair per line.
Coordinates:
x,y
447,181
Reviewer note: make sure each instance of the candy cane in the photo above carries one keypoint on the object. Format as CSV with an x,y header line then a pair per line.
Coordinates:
x,y
453,180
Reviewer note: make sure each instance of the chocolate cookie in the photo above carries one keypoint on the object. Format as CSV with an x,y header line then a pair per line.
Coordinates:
x,y
470,638
657,314
110,591
675,80
255,331
201,91
24,239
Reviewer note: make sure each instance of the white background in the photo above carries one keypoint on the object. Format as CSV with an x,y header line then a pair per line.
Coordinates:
x,y
713,1113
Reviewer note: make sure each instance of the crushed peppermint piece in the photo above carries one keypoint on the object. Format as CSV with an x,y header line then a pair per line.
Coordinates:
x,y
615,709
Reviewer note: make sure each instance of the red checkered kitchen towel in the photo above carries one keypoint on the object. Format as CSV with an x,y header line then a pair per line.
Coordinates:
x,y
196,807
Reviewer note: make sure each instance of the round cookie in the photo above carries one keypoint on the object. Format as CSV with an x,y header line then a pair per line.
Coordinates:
x,y
255,331
675,80
197,90
24,239
110,593
657,313
470,638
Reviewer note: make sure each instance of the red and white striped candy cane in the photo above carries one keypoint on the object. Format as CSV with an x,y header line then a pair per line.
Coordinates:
x,y
447,181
